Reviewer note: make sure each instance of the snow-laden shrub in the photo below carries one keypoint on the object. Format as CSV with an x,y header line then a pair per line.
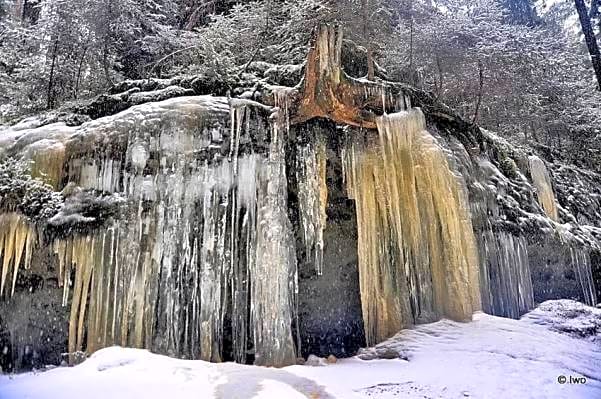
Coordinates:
x,y
19,192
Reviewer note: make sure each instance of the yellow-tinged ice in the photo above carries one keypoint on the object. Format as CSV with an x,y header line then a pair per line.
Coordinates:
x,y
108,306
17,239
417,253
47,164
544,188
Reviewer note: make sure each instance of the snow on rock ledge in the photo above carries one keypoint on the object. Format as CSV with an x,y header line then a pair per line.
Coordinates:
x,y
50,145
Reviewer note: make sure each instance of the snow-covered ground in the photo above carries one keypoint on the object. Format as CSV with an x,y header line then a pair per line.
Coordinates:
x,y
490,357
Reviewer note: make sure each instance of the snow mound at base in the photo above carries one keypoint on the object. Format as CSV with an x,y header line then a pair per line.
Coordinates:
x,y
490,357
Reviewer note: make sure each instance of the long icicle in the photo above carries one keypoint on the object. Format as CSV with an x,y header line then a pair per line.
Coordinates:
x,y
417,252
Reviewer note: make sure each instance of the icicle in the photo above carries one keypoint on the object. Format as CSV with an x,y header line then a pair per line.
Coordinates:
x,y
272,274
68,267
59,250
282,102
505,275
17,238
213,235
11,221
20,239
243,248
212,259
139,156
83,262
417,252
313,196
29,245
581,263
243,181
238,117
323,202
544,188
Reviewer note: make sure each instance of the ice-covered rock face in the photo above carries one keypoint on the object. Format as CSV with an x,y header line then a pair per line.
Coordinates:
x,y
175,231
558,256
205,233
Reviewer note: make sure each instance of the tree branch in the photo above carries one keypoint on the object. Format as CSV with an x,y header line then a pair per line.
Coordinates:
x,y
157,63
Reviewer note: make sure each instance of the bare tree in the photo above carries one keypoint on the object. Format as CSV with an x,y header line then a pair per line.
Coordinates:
x,y
50,90
589,37
480,91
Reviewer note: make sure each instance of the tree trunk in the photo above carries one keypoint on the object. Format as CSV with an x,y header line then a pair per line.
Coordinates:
x,y
440,83
370,57
589,36
411,39
595,13
326,91
262,38
83,56
105,45
50,95
105,64
370,63
480,90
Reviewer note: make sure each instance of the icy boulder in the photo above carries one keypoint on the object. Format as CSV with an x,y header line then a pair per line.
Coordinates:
x,y
568,317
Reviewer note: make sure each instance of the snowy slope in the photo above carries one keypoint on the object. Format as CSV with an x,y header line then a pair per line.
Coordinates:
x,y
490,357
